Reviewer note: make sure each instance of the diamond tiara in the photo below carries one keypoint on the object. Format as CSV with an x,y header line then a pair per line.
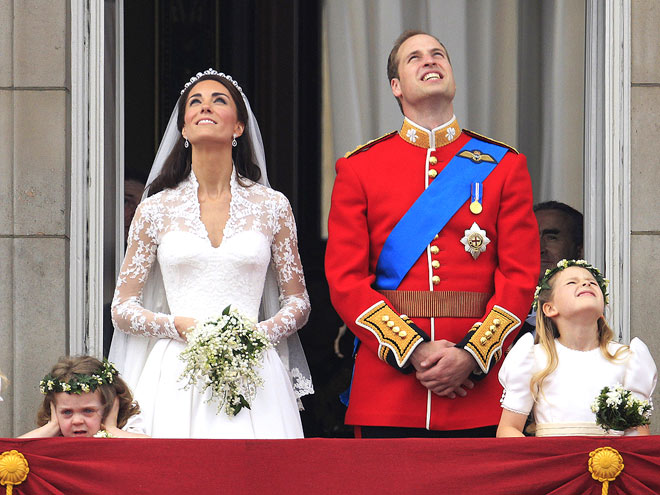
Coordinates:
x,y
212,72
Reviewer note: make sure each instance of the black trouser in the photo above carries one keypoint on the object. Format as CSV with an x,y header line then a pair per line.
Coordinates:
x,y
401,432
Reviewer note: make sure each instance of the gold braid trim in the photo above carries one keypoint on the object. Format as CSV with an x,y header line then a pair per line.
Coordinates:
x,y
490,140
393,331
486,339
369,144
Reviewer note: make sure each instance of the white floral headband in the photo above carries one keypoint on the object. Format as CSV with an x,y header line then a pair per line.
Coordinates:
x,y
562,265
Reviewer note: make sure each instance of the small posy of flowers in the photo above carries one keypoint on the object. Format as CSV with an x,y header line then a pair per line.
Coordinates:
x,y
618,409
223,354
103,434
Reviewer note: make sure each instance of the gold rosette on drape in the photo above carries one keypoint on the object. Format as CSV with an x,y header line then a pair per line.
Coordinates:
x,y
13,469
605,464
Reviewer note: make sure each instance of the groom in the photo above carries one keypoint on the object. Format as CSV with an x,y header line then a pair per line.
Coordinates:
x,y
432,259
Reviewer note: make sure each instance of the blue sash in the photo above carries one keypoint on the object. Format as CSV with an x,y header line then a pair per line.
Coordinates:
x,y
432,210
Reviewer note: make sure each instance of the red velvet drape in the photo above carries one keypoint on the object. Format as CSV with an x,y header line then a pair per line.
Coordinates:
x,y
331,466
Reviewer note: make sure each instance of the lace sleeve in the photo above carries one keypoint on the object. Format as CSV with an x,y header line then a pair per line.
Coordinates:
x,y
128,313
294,300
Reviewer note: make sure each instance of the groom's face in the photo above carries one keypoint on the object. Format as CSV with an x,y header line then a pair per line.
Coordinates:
x,y
424,71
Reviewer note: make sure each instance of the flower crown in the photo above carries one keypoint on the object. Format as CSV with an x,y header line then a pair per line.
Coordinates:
x,y
212,72
562,265
80,383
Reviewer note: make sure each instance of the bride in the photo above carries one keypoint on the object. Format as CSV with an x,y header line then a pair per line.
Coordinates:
x,y
211,234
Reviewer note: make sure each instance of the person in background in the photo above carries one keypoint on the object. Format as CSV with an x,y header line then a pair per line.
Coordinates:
x,y
561,233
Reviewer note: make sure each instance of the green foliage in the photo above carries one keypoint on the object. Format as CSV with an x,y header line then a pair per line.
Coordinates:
x,y
619,409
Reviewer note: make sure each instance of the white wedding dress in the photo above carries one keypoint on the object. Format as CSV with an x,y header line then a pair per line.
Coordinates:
x,y
200,280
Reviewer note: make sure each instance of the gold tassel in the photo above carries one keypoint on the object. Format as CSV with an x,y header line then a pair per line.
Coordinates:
x,y
13,469
605,464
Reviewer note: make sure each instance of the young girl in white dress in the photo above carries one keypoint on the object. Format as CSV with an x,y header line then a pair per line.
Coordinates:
x,y
558,377
211,234
84,397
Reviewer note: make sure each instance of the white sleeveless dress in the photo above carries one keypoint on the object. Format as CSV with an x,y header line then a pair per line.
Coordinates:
x,y
200,280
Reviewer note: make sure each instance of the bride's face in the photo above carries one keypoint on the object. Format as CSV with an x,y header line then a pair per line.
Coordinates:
x,y
210,115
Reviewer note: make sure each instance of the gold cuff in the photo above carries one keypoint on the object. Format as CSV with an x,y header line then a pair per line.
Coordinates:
x,y
396,334
486,339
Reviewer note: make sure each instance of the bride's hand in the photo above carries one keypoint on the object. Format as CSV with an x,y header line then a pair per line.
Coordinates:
x,y
183,325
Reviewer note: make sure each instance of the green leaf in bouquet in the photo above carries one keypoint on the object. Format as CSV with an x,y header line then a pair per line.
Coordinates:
x,y
225,312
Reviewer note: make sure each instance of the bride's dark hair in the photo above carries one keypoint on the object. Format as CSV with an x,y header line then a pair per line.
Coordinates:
x,y
178,164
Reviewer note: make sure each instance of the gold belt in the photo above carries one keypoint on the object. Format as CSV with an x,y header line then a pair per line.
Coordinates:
x,y
438,304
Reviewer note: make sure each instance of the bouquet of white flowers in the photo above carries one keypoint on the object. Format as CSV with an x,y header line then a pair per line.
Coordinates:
x,y
618,409
223,355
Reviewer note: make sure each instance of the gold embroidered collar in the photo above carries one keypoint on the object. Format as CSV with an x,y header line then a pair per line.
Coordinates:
x,y
435,138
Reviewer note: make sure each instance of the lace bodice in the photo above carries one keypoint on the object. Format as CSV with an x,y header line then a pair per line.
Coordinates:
x,y
201,280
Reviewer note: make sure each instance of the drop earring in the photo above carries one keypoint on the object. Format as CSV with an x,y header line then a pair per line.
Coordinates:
x,y
186,143
234,143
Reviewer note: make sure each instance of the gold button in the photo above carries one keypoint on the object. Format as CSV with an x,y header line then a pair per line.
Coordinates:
x,y
435,249
492,328
435,264
385,318
403,334
395,329
390,323
496,322
483,340
435,279
404,317
433,160
488,334
433,174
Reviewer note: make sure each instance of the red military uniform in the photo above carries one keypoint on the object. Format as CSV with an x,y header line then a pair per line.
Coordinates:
x,y
448,289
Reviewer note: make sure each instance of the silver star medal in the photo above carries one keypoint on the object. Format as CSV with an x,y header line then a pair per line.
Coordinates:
x,y
475,240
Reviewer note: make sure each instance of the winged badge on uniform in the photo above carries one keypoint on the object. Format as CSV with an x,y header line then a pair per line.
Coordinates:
x,y
477,156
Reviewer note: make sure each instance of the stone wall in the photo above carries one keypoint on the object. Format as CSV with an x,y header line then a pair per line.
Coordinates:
x,y
34,200
645,180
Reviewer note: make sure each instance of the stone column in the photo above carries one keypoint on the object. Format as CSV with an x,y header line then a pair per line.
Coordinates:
x,y
645,181
34,200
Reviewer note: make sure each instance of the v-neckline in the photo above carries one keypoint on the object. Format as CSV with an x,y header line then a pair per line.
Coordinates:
x,y
195,191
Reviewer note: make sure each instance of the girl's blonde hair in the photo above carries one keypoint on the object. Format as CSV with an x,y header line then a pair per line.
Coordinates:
x,y
547,332
67,367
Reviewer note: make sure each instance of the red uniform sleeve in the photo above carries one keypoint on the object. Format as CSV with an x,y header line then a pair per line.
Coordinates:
x,y
369,315
516,273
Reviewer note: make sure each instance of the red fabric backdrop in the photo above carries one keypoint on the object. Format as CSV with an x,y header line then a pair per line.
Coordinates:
x,y
328,466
